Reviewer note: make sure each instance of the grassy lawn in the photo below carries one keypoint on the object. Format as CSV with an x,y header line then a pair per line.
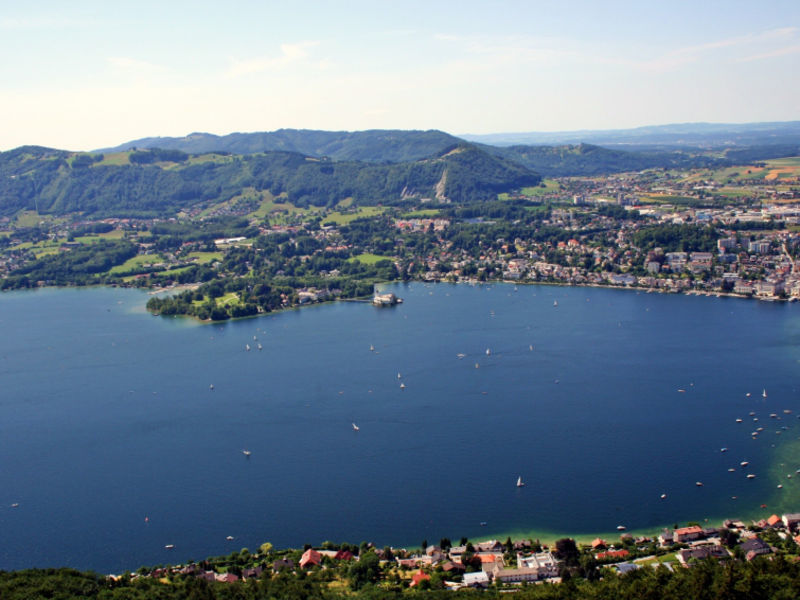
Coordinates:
x,y
369,259
203,258
550,185
135,263
344,218
174,271
427,213
28,218
671,557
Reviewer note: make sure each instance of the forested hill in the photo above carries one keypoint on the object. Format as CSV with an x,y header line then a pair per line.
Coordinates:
x,y
396,146
377,145
158,183
587,159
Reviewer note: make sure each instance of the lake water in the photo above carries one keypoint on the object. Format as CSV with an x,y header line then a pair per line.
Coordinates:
x,y
113,445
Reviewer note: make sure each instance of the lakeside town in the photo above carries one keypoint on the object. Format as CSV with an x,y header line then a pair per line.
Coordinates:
x,y
733,232
503,565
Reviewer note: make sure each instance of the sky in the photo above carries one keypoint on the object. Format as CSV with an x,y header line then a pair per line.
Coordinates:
x,y
87,74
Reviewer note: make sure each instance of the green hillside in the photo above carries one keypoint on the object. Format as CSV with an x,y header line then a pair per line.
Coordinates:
x,y
163,182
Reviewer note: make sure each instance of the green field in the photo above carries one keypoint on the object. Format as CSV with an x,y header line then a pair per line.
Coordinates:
x,y
136,263
428,213
550,186
204,258
369,259
340,218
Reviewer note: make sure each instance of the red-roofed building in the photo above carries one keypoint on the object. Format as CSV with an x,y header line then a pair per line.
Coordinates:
x,y
598,543
343,555
687,534
774,521
310,557
418,578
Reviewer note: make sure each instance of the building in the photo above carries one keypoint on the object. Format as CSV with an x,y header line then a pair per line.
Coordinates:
x,y
688,534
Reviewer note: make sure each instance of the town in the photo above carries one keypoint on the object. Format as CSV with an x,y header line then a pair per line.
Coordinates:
x,y
502,565
730,231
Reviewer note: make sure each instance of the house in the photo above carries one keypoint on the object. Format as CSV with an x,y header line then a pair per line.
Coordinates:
x,y
543,562
489,546
516,575
666,538
754,546
774,521
283,563
791,520
479,579
598,544
717,552
687,534
310,557
226,577
453,567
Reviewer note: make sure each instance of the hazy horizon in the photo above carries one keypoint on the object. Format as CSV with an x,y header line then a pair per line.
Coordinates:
x,y
94,75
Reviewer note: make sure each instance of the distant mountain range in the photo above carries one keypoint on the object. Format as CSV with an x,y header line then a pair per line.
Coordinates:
x,y
680,135
550,154
377,145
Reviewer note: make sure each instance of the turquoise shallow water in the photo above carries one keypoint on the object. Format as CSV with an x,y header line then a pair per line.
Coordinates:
x,y
113,445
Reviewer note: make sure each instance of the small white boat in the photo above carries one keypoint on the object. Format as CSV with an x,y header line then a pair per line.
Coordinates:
x,y
399,376
460,355
731,470
747,394
764,393
371,348
520,483
488,352
751,476
402,386
477,366
211,387
246,452
169,546
247,347
260,347
744,463
698,483
738,420
663,496
621,528
780,487
355,427
555,302
229,538
723,449
15,505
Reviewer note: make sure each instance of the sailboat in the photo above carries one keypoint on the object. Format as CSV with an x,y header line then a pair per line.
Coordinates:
x,y
247,347
520,483
355,427
764,393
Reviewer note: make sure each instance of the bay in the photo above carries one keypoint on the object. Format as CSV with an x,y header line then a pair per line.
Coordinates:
x,y
113,444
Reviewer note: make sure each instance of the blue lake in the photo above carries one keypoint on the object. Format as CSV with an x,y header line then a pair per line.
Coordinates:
x,y
113,444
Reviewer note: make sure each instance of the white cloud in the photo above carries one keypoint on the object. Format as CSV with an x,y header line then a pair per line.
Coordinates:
x,y
290,54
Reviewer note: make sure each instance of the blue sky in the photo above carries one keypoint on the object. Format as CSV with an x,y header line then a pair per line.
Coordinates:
x,y
82,75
